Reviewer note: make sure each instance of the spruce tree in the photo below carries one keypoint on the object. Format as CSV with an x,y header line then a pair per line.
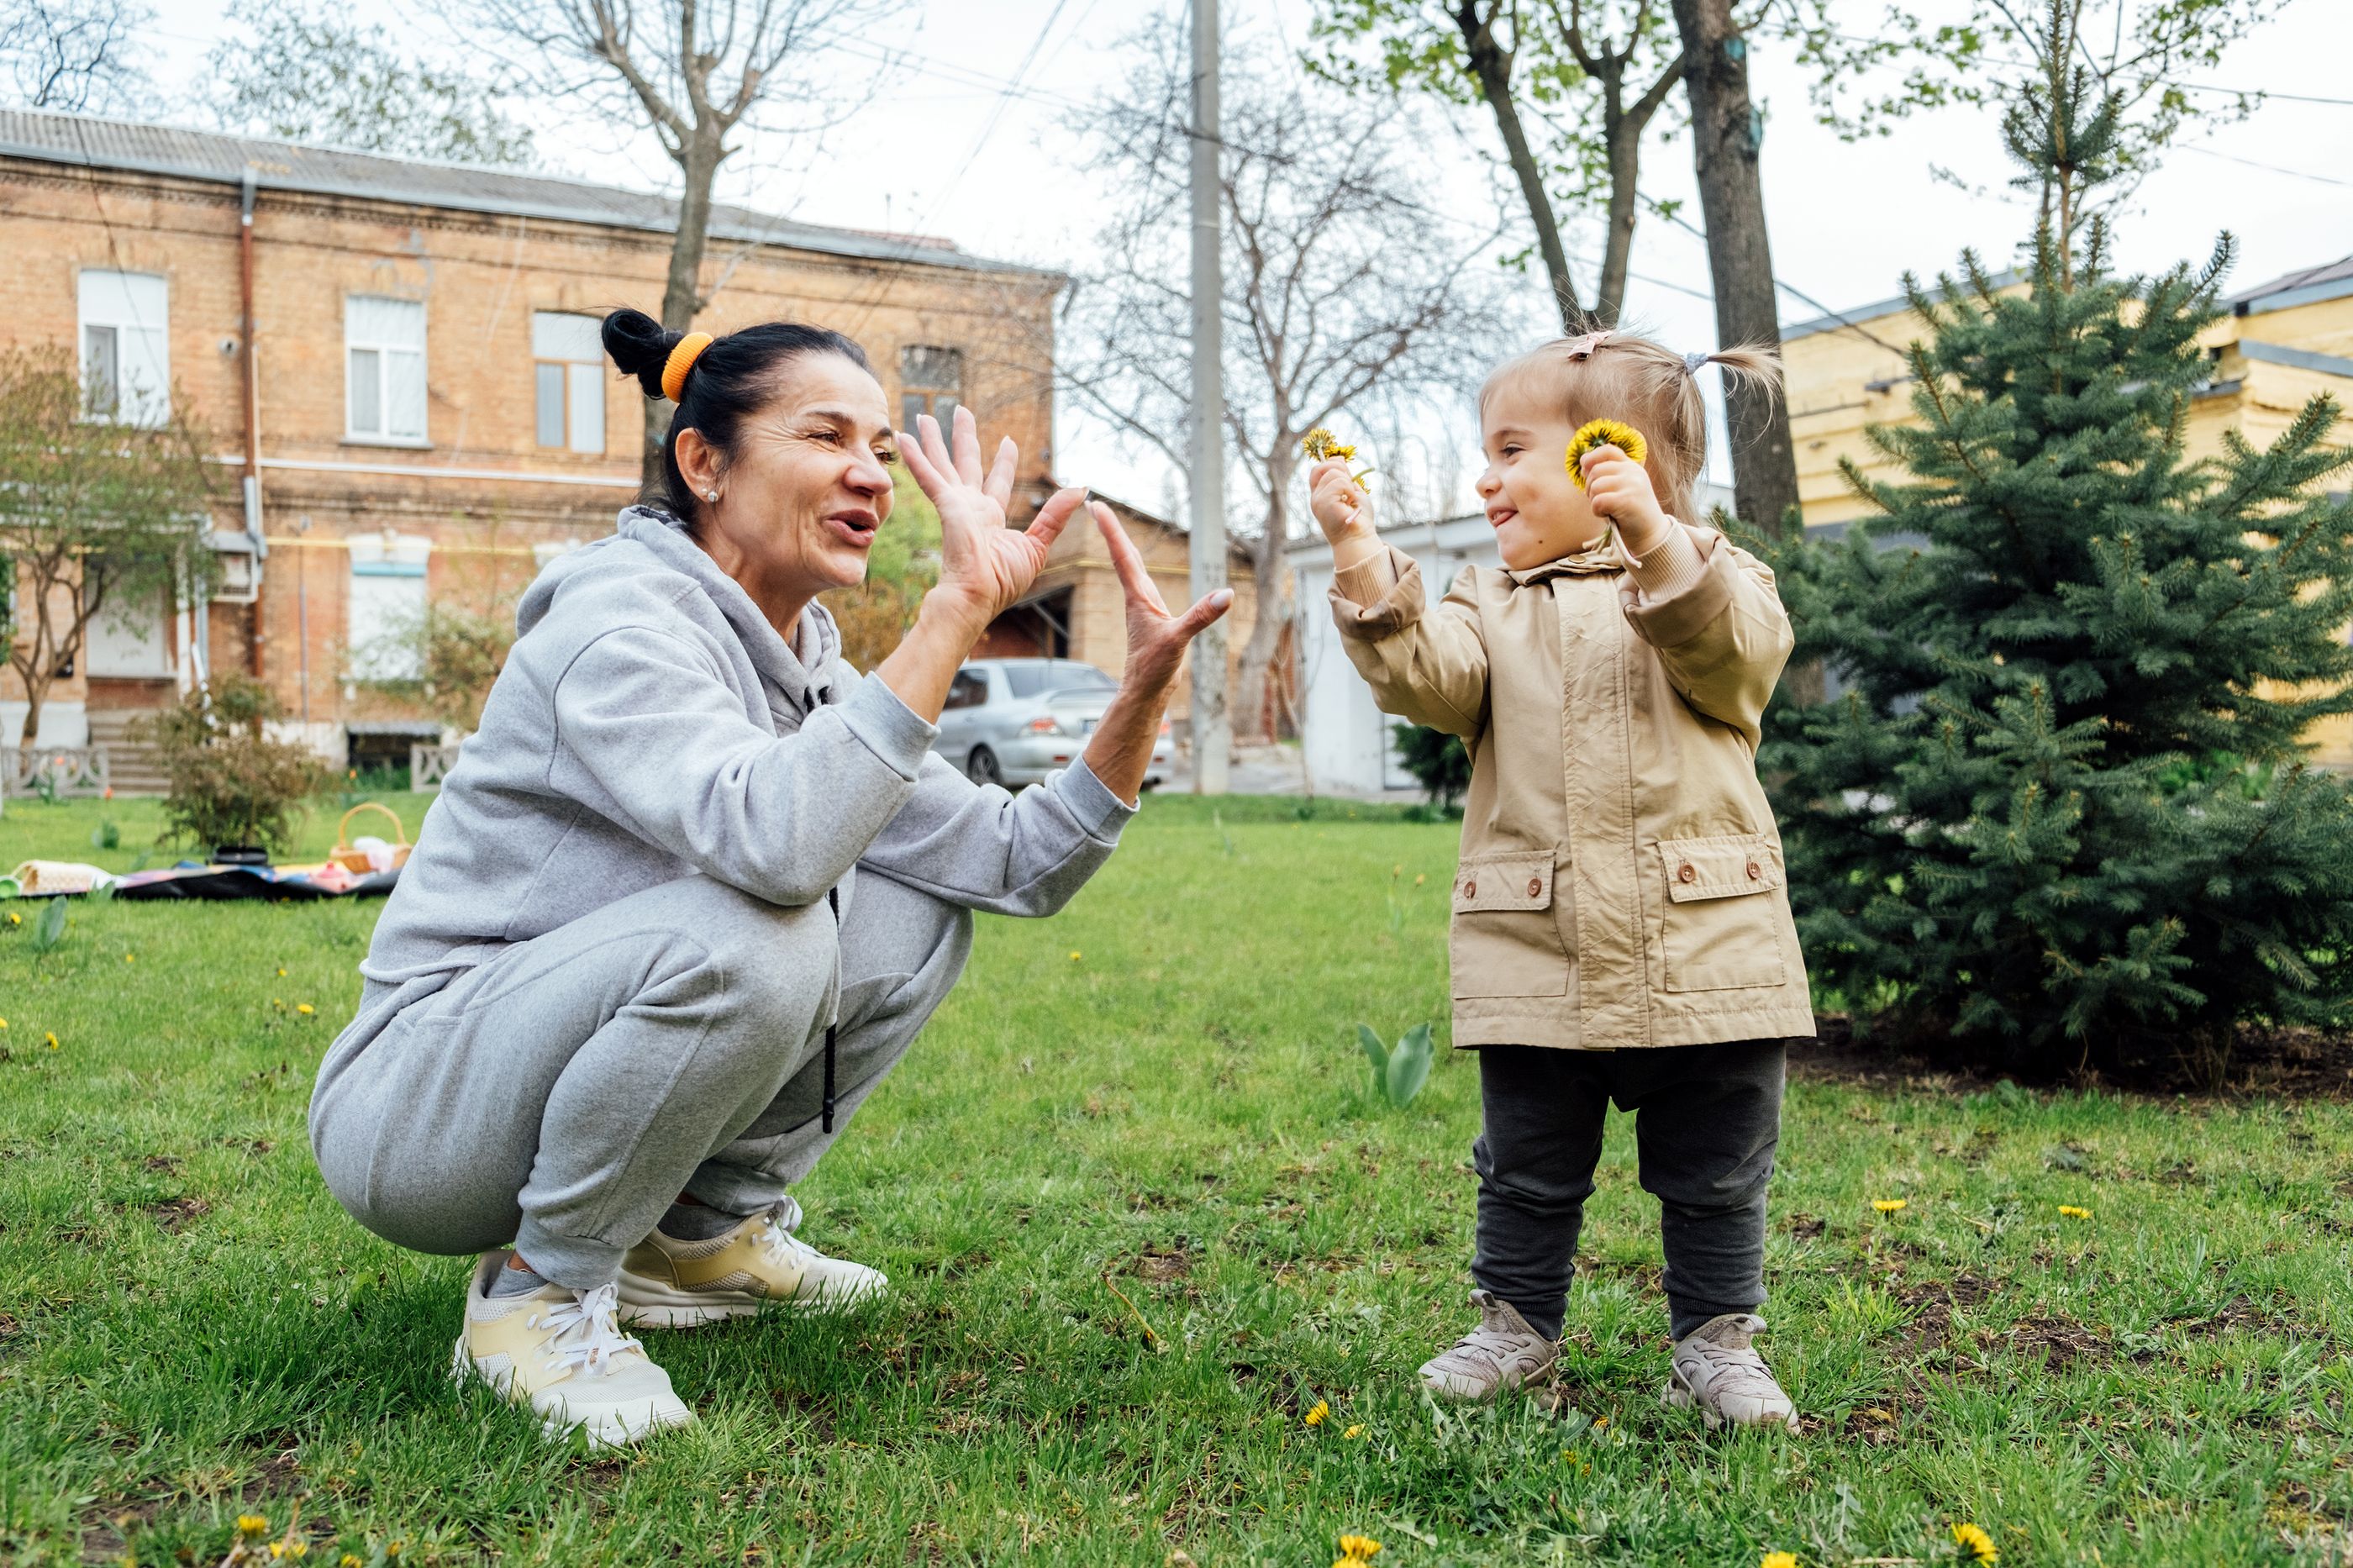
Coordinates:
x,y
2060,810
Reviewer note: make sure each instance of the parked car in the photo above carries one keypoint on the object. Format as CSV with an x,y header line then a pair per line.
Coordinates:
x,y
1011,721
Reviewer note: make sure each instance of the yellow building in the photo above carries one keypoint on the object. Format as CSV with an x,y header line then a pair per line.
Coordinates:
x,y
2282,342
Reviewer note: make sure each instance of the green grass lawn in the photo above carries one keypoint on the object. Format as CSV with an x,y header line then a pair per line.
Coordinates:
x,y
1155,1097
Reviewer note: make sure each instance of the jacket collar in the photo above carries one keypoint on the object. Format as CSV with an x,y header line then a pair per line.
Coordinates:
x,y
1602,558
800,671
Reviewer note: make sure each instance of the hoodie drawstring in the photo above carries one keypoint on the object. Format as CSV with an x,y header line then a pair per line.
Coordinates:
x,y
833,898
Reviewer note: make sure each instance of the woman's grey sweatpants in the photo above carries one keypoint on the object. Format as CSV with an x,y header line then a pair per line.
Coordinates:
x,y
1706,1121
563,1094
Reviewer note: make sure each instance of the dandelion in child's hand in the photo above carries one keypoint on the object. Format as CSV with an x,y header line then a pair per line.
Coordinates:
x,y
1596,433
1316,1414
1322,444
1970,1538
2069,1211
1362,1548
1891,1205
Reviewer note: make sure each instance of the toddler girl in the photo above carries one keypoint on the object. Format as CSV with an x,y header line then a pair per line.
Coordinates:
x,y
1620,929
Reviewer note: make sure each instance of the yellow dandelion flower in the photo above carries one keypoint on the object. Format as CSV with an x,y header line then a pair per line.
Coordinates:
x,y
281,974
252,1524
349,1561
1598,433
1355,1431
1321,444
2069,1211
304,1008
1891,1205
14,918
1777,1560
1419,877
1074,955
1973,1540
1360,1547
4,1023
1599,1422
53,1041
130,957
1316,1414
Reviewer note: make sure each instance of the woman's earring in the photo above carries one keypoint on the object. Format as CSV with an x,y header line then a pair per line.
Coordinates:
x,y
710,495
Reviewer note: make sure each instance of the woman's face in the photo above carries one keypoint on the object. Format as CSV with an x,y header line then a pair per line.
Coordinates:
x,y
807,487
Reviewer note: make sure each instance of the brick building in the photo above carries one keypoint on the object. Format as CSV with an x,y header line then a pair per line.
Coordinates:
x,y
432,416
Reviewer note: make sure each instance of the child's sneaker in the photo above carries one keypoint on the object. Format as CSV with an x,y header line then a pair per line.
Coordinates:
x,y
667,1283
561,1352
1715,1370
1502,1352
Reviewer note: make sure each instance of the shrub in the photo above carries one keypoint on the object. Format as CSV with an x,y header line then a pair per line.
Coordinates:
x,y
1438,761
230,784
2061,811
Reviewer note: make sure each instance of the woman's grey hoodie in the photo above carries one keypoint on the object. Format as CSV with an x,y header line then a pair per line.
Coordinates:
x,y
651,724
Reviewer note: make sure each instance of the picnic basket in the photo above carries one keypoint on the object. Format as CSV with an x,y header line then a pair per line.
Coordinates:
x,y
356,860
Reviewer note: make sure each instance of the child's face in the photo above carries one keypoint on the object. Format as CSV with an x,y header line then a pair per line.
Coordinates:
x,y
1538,511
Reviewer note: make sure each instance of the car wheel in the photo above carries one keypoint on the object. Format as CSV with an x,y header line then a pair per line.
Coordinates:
x,y
981,767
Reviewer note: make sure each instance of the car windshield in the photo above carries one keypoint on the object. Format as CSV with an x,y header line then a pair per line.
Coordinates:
x,y
1055,675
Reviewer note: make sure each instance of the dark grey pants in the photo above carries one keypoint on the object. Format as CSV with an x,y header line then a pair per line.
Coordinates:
x,y
1706,1120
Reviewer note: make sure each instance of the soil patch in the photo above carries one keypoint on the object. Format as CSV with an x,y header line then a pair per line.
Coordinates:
x,y
2057,1342
2265,1062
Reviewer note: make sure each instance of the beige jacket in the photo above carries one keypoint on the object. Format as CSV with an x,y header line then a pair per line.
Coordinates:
x,y
1620,881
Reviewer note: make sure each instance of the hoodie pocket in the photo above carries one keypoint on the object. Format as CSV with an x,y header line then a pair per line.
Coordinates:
x,y
1506,939
1721,929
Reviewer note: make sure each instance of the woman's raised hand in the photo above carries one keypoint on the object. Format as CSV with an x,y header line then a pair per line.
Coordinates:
x,y
984,566
1156,639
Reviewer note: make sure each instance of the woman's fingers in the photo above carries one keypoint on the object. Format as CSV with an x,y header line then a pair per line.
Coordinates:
x,y
1207,608
1055,515
999,487
967,446
919,463
936,450
1127,561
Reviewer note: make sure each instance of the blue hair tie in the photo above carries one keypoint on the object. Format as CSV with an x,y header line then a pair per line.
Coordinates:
x,y
1692,362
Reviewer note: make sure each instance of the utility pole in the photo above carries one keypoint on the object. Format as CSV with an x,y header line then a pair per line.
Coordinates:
x,y
1212,728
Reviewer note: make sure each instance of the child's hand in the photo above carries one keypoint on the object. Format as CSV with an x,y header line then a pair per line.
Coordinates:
x,y
1618,488
1342,509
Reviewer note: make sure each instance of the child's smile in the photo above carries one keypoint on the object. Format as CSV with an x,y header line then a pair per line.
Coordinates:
x,y
1536,509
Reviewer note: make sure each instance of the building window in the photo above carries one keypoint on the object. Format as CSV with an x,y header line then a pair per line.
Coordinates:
x,y
568,365
931,381
387,606
128,636
126,369
383,358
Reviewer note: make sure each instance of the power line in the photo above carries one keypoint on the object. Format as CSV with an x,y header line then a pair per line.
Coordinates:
x,y
2274,168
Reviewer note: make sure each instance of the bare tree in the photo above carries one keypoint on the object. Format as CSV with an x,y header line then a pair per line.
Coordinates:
x,y
74,54
1343,291
697,73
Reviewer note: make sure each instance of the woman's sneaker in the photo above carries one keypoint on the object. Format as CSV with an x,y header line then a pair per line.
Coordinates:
x,y
562,1352
667,1283
1715,1371
1502,1352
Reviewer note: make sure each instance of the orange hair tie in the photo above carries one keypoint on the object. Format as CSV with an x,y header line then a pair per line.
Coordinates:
x,y
681,359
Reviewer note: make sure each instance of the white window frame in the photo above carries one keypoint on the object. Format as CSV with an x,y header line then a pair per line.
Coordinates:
x,y
389,574
581,378
150,408
383,349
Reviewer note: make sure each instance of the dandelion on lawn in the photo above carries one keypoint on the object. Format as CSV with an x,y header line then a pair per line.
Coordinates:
x,y
53,1041
304,1008
2069,1211
252,1524
1317,1414
14,918
1970,1538
1359,1548
281,974
1074,955
4,1023
349,1561
1891,1205
130,957
1779,1560
1355,1431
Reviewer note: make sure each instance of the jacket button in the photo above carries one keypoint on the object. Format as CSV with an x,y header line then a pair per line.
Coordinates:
x,y
1755,872
1684,873
1470,890
1535,886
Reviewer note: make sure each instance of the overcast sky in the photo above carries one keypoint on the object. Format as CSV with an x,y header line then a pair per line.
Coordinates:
x,y
956,126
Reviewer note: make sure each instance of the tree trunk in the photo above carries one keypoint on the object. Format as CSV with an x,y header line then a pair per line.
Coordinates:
x,y
1494,73
1266,612
1624,144
1727,131
682,291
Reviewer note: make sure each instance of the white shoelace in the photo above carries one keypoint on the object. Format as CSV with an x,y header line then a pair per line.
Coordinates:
x,y
1737,1371
592,1326
782,1245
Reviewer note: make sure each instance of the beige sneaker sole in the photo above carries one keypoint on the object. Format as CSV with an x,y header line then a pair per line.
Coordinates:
x,y
649,1304
1677,1395
614,1426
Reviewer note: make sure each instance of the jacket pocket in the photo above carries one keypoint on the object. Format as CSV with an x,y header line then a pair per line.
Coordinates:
x,y
1506,939
1721,932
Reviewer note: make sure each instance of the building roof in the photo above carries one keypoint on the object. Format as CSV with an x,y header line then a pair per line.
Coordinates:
x,y
2329,281
86,142
1878,308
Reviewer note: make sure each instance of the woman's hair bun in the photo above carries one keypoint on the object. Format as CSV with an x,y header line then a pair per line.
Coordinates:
x,y
641,346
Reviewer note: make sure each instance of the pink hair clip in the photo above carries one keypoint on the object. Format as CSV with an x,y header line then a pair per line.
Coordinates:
x,y
1583,347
